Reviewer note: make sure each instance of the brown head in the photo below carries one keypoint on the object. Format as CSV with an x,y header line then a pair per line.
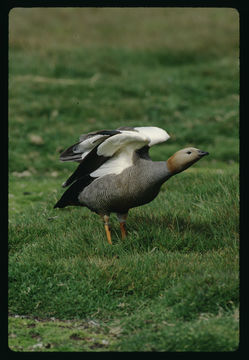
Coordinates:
x,y
184,158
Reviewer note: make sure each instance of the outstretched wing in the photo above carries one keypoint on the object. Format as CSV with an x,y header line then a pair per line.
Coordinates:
x,y
121,148
110,151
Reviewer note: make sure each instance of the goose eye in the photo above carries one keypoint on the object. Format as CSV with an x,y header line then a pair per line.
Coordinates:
x,y
188,152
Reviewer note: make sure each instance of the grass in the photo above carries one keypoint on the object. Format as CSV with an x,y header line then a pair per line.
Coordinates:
x,y
173,284
55,335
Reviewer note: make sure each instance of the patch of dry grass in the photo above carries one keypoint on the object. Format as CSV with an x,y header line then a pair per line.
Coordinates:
x,y
208,30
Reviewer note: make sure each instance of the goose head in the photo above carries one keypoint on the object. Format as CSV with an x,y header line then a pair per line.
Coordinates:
x,y
184,158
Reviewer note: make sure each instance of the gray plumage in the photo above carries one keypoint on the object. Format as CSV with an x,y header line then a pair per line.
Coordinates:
x,y
135,186
115,172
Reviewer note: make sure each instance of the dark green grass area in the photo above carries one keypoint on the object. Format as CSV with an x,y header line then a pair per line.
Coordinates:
x,y
178,265
173,284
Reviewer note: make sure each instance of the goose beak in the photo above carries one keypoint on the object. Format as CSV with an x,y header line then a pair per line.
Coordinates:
x,y
203,153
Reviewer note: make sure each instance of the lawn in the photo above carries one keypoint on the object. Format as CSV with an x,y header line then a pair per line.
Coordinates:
x,y
173,284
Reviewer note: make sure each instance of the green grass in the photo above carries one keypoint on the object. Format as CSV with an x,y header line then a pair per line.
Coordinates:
x,y
173,284
54,335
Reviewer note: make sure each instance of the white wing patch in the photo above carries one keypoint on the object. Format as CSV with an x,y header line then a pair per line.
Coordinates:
x,y
120,161
121,147
116,142
155,134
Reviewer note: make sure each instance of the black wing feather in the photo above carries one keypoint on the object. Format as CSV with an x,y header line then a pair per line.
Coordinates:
x,y
91,162
143,153
70,155
70,196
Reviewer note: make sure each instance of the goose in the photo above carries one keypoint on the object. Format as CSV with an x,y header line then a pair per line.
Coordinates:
x,y
115,172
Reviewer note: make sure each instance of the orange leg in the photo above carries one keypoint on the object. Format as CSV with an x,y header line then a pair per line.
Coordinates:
x,y
107,229
123,229
122,221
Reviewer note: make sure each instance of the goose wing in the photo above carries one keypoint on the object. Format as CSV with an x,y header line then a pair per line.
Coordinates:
x,y
120,148
155,134
109,151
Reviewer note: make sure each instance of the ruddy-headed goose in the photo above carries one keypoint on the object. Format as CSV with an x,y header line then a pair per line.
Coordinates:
x,y
116,173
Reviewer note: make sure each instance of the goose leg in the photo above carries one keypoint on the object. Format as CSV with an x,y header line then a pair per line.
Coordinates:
x,y
122,222
123,229
107,229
